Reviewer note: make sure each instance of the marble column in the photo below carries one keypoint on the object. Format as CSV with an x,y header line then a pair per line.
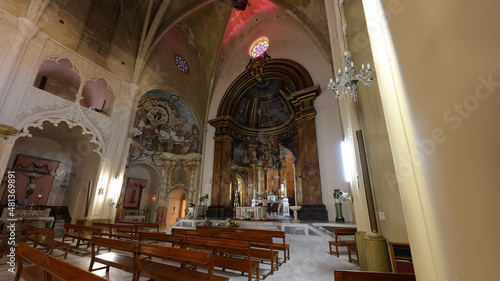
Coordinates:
x,y
308,161
7,140
221,179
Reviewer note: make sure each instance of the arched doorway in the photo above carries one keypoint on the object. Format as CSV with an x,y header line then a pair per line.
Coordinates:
x,y
150,175
176,206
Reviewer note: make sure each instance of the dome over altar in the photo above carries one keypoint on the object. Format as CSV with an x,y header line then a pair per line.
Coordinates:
x,y
264,105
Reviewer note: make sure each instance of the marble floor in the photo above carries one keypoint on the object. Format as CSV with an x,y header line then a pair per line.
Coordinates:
x,y
310,260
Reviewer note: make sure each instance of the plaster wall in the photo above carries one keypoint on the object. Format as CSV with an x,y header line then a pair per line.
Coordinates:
x,y
441,97
17,8
382,174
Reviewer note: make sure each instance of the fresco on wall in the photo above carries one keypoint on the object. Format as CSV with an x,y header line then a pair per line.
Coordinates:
x,y
167,124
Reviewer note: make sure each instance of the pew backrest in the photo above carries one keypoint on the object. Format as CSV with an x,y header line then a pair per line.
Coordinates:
x,y
196,258
353,275
127,246
217,245
46,266
191,232
160,237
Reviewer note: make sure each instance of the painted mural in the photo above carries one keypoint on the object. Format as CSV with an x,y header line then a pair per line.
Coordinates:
x,y
167,124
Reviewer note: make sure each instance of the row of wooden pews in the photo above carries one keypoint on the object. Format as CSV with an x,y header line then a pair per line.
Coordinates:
x,y
45,238
228,254
128,231
280,236
262,246
130,256
81,233
46,267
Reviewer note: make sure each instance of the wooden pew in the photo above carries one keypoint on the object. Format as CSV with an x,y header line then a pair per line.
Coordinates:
x,y
223,251
281,246
266,241
106,228
47,268
192,232
161,271
123,231
112,259
215,228
117,230
70,232
45,238
175,240
353,275
141,226
81,233
340,241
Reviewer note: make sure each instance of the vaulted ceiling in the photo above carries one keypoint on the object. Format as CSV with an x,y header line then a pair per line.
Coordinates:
x,y
137,40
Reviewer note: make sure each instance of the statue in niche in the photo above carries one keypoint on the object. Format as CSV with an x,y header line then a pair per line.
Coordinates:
x,y
132,198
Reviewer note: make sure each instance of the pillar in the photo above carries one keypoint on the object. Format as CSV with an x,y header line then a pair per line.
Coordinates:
x,y
221,178
7,140
308,162
27,29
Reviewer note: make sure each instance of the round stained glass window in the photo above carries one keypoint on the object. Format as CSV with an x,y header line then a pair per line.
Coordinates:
x,y
181,64
258,46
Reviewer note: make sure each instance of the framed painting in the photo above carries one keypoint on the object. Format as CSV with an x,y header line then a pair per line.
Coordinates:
x,y
133,193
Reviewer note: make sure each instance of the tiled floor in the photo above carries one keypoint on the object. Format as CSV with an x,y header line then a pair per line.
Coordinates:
x,y
310,261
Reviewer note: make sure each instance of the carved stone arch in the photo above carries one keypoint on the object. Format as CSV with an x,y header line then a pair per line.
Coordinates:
x,y
61,115
59,76
290,153
178,187
284,70
98,93
58,58
149,164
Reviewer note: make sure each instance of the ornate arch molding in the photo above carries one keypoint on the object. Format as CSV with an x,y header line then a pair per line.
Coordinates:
x,y
150,165
87,70
285,70
71,115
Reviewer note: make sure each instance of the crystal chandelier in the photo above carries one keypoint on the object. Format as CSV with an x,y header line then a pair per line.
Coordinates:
x,y
348,79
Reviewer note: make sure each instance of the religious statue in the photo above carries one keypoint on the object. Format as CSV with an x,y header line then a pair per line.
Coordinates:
x,y
256,66
30,189
236,200
132,198
119,212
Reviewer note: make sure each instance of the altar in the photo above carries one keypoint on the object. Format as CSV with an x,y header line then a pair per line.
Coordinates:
x,y
259,212
20,218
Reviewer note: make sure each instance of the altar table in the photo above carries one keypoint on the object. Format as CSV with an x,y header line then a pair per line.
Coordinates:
x,y
259,212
